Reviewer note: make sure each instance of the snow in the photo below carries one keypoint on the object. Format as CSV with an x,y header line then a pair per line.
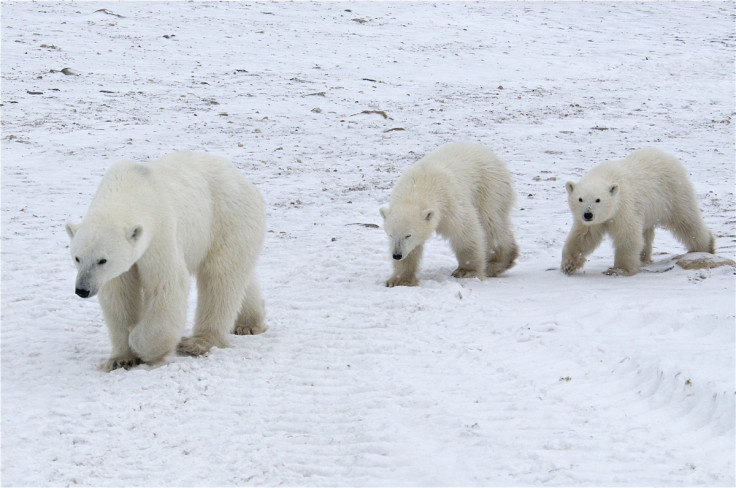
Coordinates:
x,y
527,379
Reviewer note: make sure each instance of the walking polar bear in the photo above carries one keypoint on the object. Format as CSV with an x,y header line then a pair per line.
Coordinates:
x,y
464,193
628,199
148,228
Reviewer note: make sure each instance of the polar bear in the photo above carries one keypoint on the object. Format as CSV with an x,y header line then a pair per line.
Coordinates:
x,y
464,193
148,228
628,199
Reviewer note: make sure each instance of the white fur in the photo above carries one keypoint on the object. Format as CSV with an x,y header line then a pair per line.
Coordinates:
x,y
464,193
628,199
149,227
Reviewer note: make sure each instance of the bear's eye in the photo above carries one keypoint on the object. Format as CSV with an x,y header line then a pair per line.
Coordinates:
x,y
407,236
76,259
580,200
102,261
597,200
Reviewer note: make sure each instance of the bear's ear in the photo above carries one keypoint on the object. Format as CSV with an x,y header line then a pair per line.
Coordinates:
x,y
384,212
428,214
570,186
134,233
613,189
71,229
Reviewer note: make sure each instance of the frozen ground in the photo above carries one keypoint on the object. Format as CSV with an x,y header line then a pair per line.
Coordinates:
x,y
533,378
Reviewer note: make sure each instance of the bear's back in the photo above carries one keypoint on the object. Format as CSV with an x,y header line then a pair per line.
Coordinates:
x,y
208,198
186,167
652,170
471,167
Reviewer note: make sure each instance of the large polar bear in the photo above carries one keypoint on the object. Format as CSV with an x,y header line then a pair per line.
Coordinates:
x,y
464,193
148,228
628,199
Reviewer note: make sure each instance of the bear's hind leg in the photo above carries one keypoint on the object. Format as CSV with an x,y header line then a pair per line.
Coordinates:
x,y
695,236
252,314
646,253
503,248
502,259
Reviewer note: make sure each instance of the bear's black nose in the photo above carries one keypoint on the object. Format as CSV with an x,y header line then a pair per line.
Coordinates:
x,y
82,292
397,257
588,216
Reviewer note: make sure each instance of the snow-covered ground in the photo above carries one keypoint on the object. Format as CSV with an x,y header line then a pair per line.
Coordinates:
x,y
532,378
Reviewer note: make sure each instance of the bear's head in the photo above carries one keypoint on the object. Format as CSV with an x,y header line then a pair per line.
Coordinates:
x,y
593,203
103,252
408,226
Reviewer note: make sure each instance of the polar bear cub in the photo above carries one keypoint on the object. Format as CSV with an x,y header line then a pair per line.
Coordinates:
x,y
148,228
628,199
464,193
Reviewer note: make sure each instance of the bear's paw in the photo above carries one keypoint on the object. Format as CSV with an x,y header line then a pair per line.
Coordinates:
x,y
619,272
250,329
401,281
194,346
572,264
126,362
467,273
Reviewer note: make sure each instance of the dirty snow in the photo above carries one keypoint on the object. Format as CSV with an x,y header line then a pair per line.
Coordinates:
x,y
532,378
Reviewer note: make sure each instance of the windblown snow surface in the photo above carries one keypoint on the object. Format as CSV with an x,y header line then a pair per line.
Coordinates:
x,y
528,379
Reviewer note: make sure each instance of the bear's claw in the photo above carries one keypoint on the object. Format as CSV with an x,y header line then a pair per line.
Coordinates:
x,y
117,363
569,266
250,330
619,272
466,273
400,281
194,346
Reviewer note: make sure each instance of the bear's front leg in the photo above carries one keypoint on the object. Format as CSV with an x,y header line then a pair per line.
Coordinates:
x,y
120,300
470,249
581,241
120,362
405,270
629,244
163,318
471,264
224,290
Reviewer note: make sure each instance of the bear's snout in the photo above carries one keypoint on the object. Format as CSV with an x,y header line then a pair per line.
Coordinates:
x,y
82,292
588,216
397,256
